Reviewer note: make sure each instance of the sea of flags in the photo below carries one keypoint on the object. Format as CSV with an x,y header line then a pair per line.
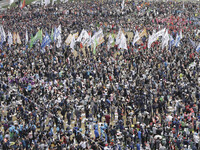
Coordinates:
x,y
85,38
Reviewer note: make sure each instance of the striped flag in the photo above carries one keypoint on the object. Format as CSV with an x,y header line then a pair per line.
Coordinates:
x,y
23,4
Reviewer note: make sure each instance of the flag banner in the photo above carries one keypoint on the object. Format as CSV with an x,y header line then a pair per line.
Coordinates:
x,y
181,35
123,5
143,33
26,36
150,41
23,4
154,37
69,39
177,41
165,39
47,2
76,35
83,37
53,1
198,48
171,42
118,37
136,37
14,38
122,44
94,46
52,35
18,39
46,41
89,43
3,34
57,33
159,33
110,41
99,37
10,39
59,41
197,33
11,1
34,39
192,43
73,42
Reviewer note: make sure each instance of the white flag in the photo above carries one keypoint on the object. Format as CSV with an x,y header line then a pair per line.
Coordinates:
x,y
72,44
89,43
57,36
122,43
11,1
198,48
159,33
197,32
155,36
2,34
150,41
136,38
98,36
59,29
18,39
58,45
83,37
47,2
181,35
118,38
53,2
26,36
123,5
10,38
165,39
177,41
110,41
69,39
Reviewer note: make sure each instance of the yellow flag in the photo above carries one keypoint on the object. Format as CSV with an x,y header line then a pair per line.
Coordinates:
x,y
14,38
101,40
143,33
69,39
76,35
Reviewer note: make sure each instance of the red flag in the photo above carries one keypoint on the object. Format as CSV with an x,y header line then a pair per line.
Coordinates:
x,y
23,4
81,45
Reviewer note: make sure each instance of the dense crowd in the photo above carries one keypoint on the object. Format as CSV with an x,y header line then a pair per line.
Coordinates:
x,y
137,98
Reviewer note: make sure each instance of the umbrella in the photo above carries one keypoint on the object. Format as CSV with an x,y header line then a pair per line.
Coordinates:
x,y
157,137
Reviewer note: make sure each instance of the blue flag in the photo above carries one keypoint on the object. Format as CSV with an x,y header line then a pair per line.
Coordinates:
x,y
46,41
171,42
198,48
193,43
178,38
55,34
1,43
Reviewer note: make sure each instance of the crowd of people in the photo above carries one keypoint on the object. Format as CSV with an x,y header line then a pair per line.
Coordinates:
x,y
134,98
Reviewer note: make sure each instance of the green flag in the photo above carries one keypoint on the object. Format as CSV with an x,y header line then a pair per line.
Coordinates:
x,y
95,45
113,44
38,36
